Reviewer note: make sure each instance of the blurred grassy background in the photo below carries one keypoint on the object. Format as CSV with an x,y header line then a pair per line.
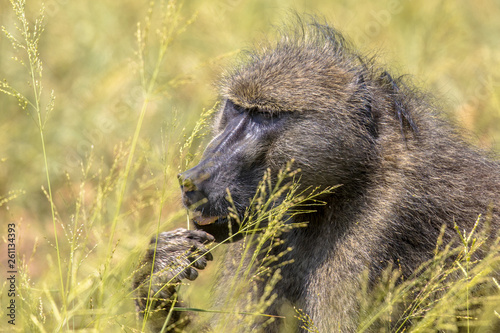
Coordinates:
x,y
89,59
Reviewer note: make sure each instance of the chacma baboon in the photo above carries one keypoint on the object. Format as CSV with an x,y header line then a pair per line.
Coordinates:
x,y
403,173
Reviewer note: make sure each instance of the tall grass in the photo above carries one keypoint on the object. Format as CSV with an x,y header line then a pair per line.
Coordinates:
x,y
110,113
80,300
450,292
28,42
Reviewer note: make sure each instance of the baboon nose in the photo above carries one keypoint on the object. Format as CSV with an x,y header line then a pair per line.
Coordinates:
x,y
186,183
191,195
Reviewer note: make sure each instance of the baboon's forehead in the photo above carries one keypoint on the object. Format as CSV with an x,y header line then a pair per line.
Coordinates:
x,y
289,78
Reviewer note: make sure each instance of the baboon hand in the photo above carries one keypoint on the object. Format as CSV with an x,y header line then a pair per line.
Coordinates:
x,y
176,255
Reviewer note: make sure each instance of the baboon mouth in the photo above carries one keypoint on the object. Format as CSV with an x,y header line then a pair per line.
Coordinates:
x,y
199,219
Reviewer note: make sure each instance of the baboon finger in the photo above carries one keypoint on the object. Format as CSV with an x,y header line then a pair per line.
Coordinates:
x,y
200,263
166,237
198,250
179,236
200,236
190,273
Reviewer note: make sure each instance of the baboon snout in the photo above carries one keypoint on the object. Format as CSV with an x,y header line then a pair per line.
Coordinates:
x,y
194,198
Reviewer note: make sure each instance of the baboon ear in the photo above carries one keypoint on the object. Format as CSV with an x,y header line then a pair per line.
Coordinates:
x,y
400,111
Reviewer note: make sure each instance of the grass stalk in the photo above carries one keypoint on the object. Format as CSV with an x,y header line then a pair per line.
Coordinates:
x,y
35,70
170,21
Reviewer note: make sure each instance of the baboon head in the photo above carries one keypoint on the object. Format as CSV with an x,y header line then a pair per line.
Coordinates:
x,y
303,98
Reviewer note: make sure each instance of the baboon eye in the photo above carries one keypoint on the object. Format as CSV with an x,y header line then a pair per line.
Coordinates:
x,y
232,109
262,116
259,116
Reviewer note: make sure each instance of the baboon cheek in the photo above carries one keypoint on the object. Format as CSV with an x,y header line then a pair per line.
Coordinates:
x,y
315,156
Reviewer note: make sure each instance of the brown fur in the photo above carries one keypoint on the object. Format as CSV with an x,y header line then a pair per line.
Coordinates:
x,y
404,173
